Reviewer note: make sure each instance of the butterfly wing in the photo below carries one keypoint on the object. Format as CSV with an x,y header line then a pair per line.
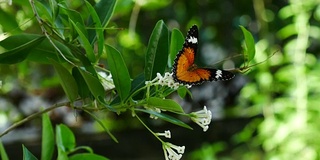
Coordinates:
x,y
186,72
185,57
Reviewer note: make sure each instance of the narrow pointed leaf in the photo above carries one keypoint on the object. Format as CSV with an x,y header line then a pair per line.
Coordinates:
x,y
27,155
3,153
98,28
166,118
157,51
119,71
249,41
165,104
83,88
85,42
93,83
47,146
67,81
21,52
104,10
176,43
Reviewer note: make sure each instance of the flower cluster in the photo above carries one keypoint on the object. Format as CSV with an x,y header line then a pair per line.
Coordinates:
x,y
202,118
172,152
166,80
107,81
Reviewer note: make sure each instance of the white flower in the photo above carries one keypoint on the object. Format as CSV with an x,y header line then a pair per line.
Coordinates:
x,y
106,81
166,80
155,110
166,134
171,154
202,118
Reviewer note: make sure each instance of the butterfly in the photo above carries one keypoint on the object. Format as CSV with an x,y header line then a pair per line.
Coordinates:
x,y
184,69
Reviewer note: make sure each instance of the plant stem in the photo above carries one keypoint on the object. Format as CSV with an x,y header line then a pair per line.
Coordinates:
x,y
33,116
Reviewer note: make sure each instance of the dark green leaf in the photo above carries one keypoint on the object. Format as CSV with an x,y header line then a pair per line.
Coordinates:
x,y
93,83
136,84
176,43
42,51
47,146
27,155
10,24
68,83
85,42
104,10
3,153
157,52
98,28
166,118
21,52
250,48
83,88
119,71
72,15
45,11
165,104
87,156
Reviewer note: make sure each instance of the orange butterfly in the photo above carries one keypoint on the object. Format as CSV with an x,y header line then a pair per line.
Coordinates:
x,y
184,69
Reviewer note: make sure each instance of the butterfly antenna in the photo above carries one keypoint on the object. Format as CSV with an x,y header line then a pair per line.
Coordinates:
x,y
245,69
228,58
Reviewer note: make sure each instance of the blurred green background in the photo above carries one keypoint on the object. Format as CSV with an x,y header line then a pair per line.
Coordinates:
x,y
272,112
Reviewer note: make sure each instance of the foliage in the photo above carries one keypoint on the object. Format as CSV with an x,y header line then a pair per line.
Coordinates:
x,y
74,44
77,40
65,141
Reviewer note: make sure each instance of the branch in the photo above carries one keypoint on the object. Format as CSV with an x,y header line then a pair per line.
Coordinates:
x,y
33,116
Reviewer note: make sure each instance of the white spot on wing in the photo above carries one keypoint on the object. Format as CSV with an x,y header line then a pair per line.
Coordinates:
x,y
218,74
193,40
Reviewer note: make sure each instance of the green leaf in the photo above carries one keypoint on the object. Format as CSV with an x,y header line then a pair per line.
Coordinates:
x,y
98,28
165,104
47,146
68,83
119,71
157,51
44,11
65,141
166,118
21,52
10,24
250,47
85,42
104,10
176,43
65,138
27,155
73,15
137,83
87,156
42,51
83,88
93,83
3,153
182,91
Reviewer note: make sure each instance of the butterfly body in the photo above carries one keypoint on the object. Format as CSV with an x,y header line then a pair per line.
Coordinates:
x,y
185,71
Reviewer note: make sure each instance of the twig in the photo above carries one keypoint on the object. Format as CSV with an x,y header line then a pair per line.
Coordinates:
x,y
44,31
33,116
